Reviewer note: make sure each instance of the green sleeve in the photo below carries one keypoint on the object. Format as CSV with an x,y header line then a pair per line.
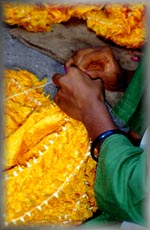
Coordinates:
x,y
121,179
131,108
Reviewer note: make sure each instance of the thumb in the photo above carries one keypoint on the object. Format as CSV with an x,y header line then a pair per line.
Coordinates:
x,y
95,74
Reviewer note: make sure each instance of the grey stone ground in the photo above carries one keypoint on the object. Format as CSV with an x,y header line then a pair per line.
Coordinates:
x,y
17,55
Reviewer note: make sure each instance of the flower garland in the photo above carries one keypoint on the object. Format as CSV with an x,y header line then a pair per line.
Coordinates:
x,y
124,24
49,173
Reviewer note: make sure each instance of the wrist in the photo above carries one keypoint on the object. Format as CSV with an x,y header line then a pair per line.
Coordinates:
x,y
96,144
97,120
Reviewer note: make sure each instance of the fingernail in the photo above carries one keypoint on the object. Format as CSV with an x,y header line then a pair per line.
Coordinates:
x,y
135,58
66,69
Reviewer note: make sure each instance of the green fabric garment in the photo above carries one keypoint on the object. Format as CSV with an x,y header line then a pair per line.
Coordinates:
x,y
131,108
121,171
104,219
120,180
120,183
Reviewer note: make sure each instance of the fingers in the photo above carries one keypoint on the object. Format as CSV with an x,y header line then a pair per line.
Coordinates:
x,y
74,87
95,74
60,79
58,96
69,63
57,99
78,56
56,79
93,61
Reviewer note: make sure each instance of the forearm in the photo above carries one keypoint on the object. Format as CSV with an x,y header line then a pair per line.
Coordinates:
x,y
97,119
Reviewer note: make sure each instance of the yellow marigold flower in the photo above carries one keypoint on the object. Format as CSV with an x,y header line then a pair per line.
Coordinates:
x,y
81,10
120,23
34,17
115,22
52,178
23,94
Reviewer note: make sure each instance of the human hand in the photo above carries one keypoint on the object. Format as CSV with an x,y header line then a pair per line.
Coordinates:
x,y
76,92
82,98
100,63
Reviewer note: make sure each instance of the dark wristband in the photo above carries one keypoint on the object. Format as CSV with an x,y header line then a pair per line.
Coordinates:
x,y
99,139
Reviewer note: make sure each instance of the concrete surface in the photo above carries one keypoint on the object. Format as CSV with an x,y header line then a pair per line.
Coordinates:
x,y
17,55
